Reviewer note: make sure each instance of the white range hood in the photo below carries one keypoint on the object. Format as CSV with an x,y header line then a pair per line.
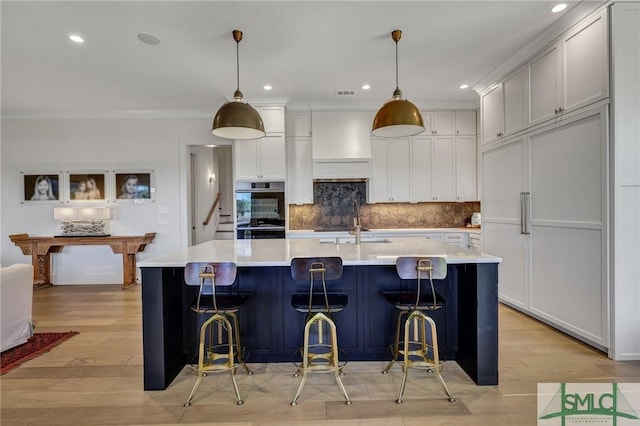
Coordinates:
x,y
341,148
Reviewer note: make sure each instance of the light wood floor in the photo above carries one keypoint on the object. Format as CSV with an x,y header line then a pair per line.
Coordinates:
x,y
96,377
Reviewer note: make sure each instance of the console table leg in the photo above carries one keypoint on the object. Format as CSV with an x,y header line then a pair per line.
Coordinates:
x,y
128,270
41,271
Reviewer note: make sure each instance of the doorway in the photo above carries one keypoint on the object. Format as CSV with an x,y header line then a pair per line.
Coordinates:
x,y
208,172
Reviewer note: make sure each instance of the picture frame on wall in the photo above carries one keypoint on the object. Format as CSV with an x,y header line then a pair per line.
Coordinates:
x,y
87,186
134,186
42,187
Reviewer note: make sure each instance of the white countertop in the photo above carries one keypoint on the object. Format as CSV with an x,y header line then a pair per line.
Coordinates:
x,y
279,252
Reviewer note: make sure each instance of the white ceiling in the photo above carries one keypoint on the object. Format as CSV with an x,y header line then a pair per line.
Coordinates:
x,y
307,50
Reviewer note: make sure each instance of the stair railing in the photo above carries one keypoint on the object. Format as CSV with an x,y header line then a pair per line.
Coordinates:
x,y
213,209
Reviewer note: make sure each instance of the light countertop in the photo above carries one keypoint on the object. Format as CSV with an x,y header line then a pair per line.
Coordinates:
x,y
279,252
390,230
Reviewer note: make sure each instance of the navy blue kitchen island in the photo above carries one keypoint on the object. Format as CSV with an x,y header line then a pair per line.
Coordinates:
x,y
272,330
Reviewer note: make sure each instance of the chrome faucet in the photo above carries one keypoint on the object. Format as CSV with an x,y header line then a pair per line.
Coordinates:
x,y
357,228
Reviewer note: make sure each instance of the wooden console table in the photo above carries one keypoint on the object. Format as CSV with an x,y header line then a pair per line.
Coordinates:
x,y
40,249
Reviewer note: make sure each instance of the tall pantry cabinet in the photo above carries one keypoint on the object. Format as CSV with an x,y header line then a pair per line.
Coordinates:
x,y
544,183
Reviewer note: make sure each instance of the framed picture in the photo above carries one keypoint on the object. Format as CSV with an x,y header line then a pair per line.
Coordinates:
x,y
136,185
83,186
41,187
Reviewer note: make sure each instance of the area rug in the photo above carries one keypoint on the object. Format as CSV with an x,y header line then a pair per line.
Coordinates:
x,y
38,344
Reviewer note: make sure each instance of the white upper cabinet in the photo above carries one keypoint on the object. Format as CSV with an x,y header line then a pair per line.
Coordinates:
x,y
427,119
465,122
466,160
391,171
571,73
586,49
492,114
260,159
298,124
299,170
273,118
443,123
421,169
502,107
442,168
514,89
545,85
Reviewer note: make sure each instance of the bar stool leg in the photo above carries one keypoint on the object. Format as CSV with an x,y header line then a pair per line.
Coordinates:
x,y
396,343
307,359
210,355
238,346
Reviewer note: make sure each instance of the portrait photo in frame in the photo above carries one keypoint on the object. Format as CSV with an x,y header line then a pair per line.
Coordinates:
x,y
41,187
134,185
85,186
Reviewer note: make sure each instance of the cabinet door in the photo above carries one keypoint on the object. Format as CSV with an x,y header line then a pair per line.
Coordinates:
x,y
442,168
466,158
379,184
427,119
299,171
272,163
465,122
399,169
246,159
514,101
544,85
443,123
492,113
421,169
273,118
504,178
568,225
298,124
586,64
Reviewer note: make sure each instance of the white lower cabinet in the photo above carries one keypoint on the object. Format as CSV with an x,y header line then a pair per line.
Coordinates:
x,y
460,239
544,198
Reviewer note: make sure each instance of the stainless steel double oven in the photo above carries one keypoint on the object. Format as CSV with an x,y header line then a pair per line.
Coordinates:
x,y
260,210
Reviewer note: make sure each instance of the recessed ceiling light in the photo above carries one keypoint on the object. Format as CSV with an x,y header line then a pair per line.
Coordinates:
x,y
148,39
76,38
267,87
464,86
366,87
559,7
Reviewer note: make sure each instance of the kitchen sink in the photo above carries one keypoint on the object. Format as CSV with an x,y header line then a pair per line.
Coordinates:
x,y
352,240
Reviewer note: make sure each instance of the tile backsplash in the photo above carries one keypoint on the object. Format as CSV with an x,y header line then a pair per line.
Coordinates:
x,y
333,210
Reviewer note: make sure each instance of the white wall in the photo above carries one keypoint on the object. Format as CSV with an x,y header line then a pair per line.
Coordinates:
x,y
101,144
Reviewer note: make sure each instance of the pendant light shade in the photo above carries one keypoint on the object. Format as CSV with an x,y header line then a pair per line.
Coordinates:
x,y
237,119
398,117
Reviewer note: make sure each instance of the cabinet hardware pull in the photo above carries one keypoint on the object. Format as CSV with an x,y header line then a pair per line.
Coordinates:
x,y
522,217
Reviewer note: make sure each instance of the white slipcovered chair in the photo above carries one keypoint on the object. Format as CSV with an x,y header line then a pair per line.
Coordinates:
x,y
16,295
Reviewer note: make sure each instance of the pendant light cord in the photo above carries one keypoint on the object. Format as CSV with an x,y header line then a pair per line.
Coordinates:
x,y
397,65
238,65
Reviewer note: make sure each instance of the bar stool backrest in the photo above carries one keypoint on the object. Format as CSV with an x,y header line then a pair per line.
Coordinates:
x,y
301,267
420,268
208,275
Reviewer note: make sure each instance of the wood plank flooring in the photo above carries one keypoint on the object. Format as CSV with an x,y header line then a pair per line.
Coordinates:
x,y
95,378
